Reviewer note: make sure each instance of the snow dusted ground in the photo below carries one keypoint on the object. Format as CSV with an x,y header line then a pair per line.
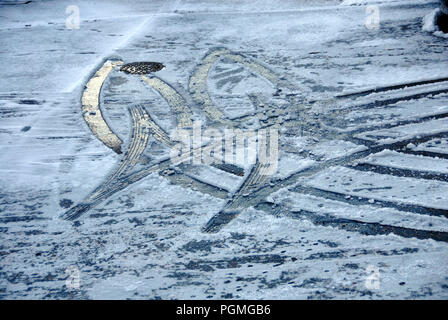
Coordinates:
x,y
357,209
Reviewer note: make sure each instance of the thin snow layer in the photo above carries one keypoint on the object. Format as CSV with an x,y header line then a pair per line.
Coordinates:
x,y
144,245
359,118
401,93
295,202
289,164
330,149
282,263
393,159
145,242
387,136
215,177
319,150
376,186
439,145
41,31
40,66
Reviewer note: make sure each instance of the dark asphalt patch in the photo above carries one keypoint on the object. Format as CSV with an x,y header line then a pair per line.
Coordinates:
x,y
142,67
65,203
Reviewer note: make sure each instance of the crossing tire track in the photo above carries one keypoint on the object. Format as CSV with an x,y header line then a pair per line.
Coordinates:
x,y
365,228
254,189
136,148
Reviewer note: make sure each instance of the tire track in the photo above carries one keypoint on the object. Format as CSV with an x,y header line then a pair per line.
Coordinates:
x,y
257,177
91,107
138,144
258,196
255,183
363,200
365,228
390,88
174,99
401,172
198,81
199,89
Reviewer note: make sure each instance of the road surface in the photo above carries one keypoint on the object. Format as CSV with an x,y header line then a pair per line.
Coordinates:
x,y
92,208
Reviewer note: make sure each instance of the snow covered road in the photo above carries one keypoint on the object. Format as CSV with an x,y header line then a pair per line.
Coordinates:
x,y
92,208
